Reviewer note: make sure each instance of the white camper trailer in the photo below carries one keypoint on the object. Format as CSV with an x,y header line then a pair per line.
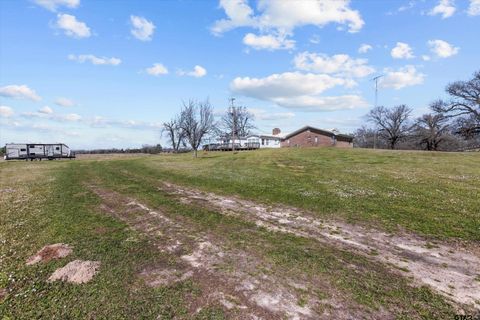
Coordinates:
x,y
25,151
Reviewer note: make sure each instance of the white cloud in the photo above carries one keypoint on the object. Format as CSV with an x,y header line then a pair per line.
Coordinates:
x,y
52,5
285,16
72,117
43,127
286,84
442,48
9,122
298,91
239,14
444,7
198,72
30,114
95,60
48,114
64,102
72,27
268,42
320,103
407,7
344,122
142,29
364,48
157,69
474,8
426,57
19,92
403,77
336,64
315,39
46,110
50,129
6,112
402,51
101,122
261,114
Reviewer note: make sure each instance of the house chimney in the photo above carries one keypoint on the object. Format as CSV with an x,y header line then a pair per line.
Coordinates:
x,y
275,131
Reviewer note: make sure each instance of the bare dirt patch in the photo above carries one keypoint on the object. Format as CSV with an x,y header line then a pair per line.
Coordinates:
x,y
50,252
3,293
448,269
159,277
228,277
77,271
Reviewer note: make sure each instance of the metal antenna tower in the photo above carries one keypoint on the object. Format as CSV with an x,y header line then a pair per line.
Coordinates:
x,y
376,105
234,122
376,88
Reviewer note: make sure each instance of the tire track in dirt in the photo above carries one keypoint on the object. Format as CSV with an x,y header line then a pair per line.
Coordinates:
x,y
450,270
228,276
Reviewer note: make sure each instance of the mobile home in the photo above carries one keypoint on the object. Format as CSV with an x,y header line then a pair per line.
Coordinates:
x,y
26,151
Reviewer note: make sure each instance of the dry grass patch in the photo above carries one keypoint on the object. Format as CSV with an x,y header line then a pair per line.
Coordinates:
x,y
50,252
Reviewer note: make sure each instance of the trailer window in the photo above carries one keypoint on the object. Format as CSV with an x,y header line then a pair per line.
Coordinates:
x,y
23,149
57,148
31,146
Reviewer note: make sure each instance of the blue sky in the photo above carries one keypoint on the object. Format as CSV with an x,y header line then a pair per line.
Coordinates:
x,y
108,73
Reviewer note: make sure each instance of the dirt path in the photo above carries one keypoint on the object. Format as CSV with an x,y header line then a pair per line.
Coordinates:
x,y
228,276
450,270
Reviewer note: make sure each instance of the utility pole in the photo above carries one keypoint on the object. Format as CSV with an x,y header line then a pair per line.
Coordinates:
x,y
376,104
234,123
376,88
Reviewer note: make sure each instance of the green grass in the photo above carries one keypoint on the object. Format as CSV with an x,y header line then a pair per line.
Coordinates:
x,y
434,194
430,193
43,211
374,287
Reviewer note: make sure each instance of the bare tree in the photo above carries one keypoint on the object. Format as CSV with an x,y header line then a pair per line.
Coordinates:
x,y
464,102
196,122
174,133
236,122
431,130
366,137
392,123
467,127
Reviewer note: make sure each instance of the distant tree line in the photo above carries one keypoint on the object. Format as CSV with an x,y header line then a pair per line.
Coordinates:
x,y
151,149
452,124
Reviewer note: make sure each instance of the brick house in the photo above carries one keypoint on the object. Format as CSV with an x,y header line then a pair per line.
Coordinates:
x,y
314,137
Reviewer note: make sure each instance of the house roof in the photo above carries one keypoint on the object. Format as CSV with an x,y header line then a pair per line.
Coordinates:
x,y
319,131
279,137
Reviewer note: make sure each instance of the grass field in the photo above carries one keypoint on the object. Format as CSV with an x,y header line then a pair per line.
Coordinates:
x,y
166,258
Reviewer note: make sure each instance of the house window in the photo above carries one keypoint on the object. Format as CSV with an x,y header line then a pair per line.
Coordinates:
x,y
57,148
263,142
23,149
31,146
316,139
